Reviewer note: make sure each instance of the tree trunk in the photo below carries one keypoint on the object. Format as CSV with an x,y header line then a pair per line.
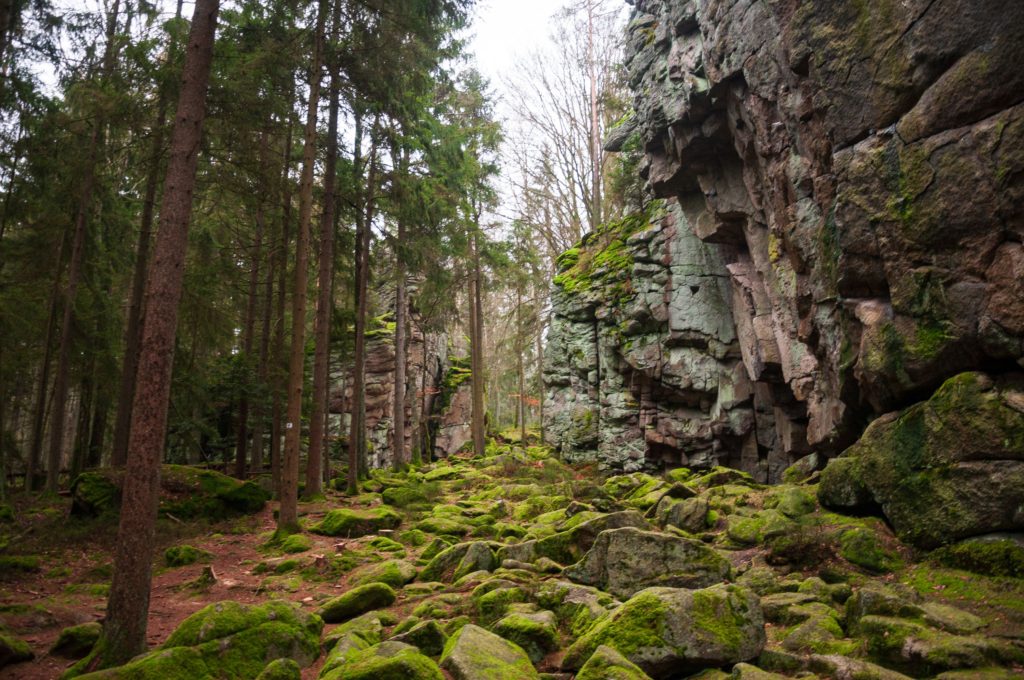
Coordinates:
x,y
478,425
540,371
288,518
324,302
414,401
282,286
39,413
398,415
124,632
520,349
249,329
595,123
64,350
132,338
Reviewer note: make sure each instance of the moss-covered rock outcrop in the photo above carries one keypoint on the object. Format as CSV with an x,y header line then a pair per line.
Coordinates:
x,y
945,469
667,631
185,492
227,640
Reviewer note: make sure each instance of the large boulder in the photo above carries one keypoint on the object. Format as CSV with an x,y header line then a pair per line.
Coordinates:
x,y
944,469
359,600
354,523
624,561
475,654
607,664
570,544
459,560
185,493
227,640
387,661
673,631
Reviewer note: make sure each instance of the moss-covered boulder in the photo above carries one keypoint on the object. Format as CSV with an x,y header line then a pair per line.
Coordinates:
x,y
920,650
426,636
992,556
184,555
838,666
359,600
624,561
573,538
456,561
577,607
673,631
395,573
295,543
387,661
864,548
74,642
185,493
227,640
281,669
349,523
608,664
13,650
404,496
689,514
476,654
535,632
942,470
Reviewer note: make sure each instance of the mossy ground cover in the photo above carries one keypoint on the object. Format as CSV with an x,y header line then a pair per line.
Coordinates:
x,y
512,496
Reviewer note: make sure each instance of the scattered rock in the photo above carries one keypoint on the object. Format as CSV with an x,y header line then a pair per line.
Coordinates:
x,y
624,561
608,664
668,631
387,660
354,523
359,600
534,632
74,642
426,636
475,654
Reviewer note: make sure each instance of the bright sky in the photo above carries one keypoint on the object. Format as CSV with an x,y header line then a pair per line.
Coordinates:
x,y
505,30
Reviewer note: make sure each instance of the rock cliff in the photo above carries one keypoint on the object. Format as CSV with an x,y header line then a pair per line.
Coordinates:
x,y
842,230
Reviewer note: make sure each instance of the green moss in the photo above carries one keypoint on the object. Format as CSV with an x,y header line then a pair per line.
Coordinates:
x,y
296,543
10,564
354,523
992,558
13,649
862,547
6,513
495,603
638,624
281,669
357,601
388,661
74,642
536,637
182,555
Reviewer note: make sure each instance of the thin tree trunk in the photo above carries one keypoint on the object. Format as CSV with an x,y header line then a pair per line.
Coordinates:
x,y
595,123
39,413
64,351
322,324
520,349
357,438
130,365
359,331
398,415
414,401
288,518
249,330
259,415
478,425
280,374
124,632
540,371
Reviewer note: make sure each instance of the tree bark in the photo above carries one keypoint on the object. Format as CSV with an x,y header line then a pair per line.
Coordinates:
x,y
398,414
288,518
280,374
130,366
39,413
249,329
520,349
124,632
478,424
64,350
324,303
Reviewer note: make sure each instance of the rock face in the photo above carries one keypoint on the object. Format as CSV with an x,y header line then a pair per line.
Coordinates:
x,y
843,231
430,368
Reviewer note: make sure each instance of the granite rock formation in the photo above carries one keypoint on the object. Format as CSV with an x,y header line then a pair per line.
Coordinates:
x,y
845,186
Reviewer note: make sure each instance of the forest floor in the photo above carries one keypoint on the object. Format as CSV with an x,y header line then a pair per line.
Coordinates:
x,y
56,569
